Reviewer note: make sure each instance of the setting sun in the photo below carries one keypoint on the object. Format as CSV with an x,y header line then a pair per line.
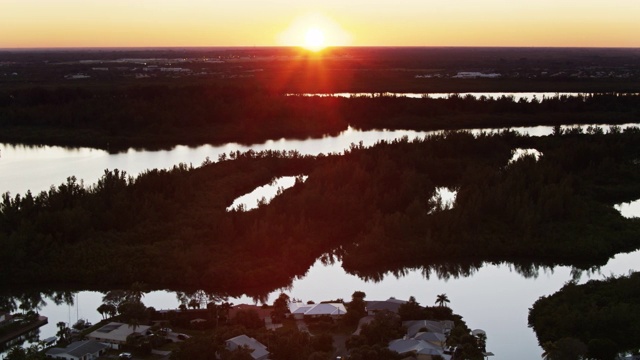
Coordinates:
x,y
314,39
314,32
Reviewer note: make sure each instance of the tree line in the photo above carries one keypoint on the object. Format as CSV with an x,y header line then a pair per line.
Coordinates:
x,y
597,320
164,115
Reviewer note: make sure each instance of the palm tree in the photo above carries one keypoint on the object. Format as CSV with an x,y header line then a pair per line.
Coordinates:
x,y
133,323
550,349
103,310
63,331
442,300
137,291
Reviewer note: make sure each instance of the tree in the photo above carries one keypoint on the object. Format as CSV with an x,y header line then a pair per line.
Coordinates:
x,y
322,343
411,310
136,292
198,348
107,310
482,341
549,349
280,307
30,353
442,300
564,349
114,298
376,352
194,304
385,327
63,331
356,309
602,349
249,319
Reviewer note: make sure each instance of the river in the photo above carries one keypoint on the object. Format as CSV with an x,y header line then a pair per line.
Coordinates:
x,y
495,298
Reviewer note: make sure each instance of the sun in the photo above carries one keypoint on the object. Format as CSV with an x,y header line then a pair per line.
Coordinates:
x,y
314,39
314,32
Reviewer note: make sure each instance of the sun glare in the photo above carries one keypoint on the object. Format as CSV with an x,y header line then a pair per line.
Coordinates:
x,y
314,39
314,32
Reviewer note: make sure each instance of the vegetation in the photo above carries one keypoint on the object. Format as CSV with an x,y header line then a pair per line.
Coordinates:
x,y
163,115
33,352
599,319
374,209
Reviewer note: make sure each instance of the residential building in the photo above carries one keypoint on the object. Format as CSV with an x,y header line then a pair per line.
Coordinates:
x,y
117,333
392,304
258,350
425,339
79,350
300,310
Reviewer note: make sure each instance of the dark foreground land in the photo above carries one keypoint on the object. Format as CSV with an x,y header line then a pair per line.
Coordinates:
x,y
118,98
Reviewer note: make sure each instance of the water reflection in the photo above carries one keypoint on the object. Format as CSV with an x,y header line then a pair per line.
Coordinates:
x,y
262,195
492,296
519,153
517,96
443,199
629,209
37,168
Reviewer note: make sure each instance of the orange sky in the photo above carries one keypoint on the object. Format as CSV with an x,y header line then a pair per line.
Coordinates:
x,y
123,23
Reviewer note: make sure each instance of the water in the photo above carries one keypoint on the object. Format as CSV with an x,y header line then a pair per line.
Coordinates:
x,y
264,193
37,168
495,298
629,209
519,153
528,96
445,198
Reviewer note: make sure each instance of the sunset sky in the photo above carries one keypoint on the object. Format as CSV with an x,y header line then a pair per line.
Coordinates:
x,y
124,23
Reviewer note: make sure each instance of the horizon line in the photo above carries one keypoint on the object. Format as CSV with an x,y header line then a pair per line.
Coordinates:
x,y
244,47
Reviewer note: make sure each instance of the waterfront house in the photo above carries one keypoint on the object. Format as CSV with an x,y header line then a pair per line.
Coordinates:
x,y
79,350
300,310
392,304
419,349
116,334
258,350
416,326
425,339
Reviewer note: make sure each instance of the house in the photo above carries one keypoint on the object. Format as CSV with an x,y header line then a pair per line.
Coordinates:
x,y
416,326
438,339
115,333
392,304
258,351
79,350
300,310
420,349
425,339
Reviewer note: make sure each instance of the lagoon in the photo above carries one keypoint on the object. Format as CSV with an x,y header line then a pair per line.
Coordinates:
x,y
495,298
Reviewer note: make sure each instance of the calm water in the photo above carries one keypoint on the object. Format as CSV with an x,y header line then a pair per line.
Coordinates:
x,y
517,96
495,298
